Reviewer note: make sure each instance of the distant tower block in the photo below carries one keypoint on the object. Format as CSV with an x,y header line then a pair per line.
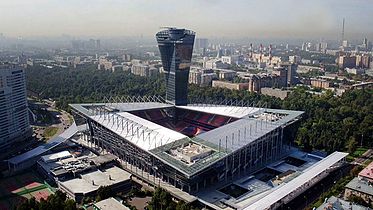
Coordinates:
x,y
176,47
343,30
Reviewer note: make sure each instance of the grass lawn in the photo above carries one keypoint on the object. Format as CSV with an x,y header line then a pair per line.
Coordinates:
x,y
50,131
359,152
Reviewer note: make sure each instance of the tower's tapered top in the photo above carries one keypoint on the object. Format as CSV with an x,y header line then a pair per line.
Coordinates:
x,y
174,34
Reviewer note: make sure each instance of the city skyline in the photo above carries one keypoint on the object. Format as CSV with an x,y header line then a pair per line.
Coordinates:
x,y
261,19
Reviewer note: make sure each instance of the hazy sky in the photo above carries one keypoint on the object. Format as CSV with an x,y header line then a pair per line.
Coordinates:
x,y
209,18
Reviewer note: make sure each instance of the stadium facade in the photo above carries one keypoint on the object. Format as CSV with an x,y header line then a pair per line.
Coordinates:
x,y
188,146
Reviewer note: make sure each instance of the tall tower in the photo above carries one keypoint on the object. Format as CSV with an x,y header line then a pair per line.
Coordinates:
x,y
343,30
176,47
14,119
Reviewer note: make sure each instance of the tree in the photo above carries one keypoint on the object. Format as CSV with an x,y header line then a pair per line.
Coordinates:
x,y
103,193
70,205
54,201
351,144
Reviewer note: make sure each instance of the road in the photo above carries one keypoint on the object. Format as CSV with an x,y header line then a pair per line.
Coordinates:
x,y
60,119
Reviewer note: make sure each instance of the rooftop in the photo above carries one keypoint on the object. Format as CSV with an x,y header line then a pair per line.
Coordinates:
x,y
120,107
334,203
260,184
62,163
367,172
56,156
230,111
284,190
361,186
143,133
91,181
190,153
68,133
110,204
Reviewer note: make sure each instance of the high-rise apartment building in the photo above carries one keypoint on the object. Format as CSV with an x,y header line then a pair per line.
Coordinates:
x,y
291,73
201,43
14,120
176,47
346,61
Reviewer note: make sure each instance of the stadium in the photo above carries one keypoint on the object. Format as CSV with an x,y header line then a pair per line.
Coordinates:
x,y
190,147
225,154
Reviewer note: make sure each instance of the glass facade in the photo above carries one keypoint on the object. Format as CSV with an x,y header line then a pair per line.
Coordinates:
x,y
176,47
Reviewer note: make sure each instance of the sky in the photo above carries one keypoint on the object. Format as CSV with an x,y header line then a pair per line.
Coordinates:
x,y
209,18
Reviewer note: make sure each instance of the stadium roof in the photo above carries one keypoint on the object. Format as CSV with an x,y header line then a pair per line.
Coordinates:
x,y
306,176
68,133
230,111
235,135
121,107
143,133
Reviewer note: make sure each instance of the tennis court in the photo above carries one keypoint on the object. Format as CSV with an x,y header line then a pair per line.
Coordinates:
x,y
14,190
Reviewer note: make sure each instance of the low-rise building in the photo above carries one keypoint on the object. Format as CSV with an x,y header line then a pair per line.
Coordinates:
x,y
355,71
88,183
144,70
367,173
258,81
360,188
117,68
215,64
275,92
233,59
334,203
109,204
65,165
226,74
202,77
320,83
104,64
266,59
230,85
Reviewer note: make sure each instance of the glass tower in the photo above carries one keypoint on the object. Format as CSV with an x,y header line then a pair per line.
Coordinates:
x,y
176,47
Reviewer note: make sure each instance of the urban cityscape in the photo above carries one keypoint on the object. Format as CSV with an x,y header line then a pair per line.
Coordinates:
x,y
199,105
